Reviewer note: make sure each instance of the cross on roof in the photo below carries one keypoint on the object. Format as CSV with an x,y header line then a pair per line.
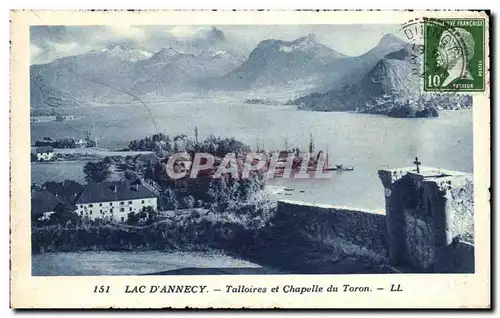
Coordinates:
x,y
417,163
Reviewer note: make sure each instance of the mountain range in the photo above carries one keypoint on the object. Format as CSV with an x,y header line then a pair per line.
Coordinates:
x,y
120,70
212,62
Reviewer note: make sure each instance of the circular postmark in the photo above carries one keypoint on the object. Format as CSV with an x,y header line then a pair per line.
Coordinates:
x,y
438,51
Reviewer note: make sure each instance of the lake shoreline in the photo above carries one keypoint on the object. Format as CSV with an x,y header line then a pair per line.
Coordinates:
x,y
353,139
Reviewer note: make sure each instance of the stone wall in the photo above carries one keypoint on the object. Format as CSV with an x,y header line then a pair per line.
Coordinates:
x,y
419,240
462,203
427,226
430,218
348,232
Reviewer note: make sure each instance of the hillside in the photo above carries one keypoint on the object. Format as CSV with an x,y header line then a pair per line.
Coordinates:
x,y
275,61
90,76
43,96
391,88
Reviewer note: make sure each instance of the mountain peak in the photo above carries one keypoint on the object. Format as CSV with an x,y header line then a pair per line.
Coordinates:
x,y
167,53
311,38
124,52
307,44
115,48
391,39
216,34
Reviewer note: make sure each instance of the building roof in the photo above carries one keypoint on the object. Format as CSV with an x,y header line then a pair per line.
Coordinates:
x,y
149,158
44,149
114,191
43,201
67,191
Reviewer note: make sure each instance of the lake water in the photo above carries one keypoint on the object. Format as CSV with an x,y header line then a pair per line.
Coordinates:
x,y
129,263
367,142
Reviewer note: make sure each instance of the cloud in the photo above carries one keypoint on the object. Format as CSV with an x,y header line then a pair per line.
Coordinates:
x,y
186,31
128,32
51,42
35,51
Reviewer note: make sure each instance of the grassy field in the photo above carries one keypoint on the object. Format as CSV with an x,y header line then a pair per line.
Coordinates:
x,y
57,171
73,170
129,263
102,152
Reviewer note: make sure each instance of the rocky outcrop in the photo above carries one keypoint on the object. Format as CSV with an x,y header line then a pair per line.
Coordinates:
x,y
392,88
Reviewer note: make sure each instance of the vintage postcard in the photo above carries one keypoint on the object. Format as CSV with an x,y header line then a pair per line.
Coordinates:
x,y
250,159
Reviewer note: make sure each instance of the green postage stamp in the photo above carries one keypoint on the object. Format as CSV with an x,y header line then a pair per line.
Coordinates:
x,y
454,55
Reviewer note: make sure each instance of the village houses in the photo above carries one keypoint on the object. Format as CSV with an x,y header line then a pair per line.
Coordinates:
x,y
44,153
81,143
114,199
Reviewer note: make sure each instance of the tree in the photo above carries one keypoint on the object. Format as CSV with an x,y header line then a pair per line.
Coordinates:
x,y
133,145
159,137
210,145
149,172
170,199
65,143
148,214
130,175
90,143
188,202
183,143
96,171
311,143
64,214
219,192
132,218
142,215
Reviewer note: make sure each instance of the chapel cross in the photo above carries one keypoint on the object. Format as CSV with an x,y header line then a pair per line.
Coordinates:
x,y
417,163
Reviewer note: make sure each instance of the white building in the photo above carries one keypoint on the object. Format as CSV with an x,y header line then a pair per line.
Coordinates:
x,y
45,153
81,143
114,200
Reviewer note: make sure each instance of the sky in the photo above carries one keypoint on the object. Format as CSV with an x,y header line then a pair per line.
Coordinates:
x,y
51,42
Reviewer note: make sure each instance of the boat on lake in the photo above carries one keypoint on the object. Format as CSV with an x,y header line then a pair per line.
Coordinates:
x,y
317,158
342,168
336,167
